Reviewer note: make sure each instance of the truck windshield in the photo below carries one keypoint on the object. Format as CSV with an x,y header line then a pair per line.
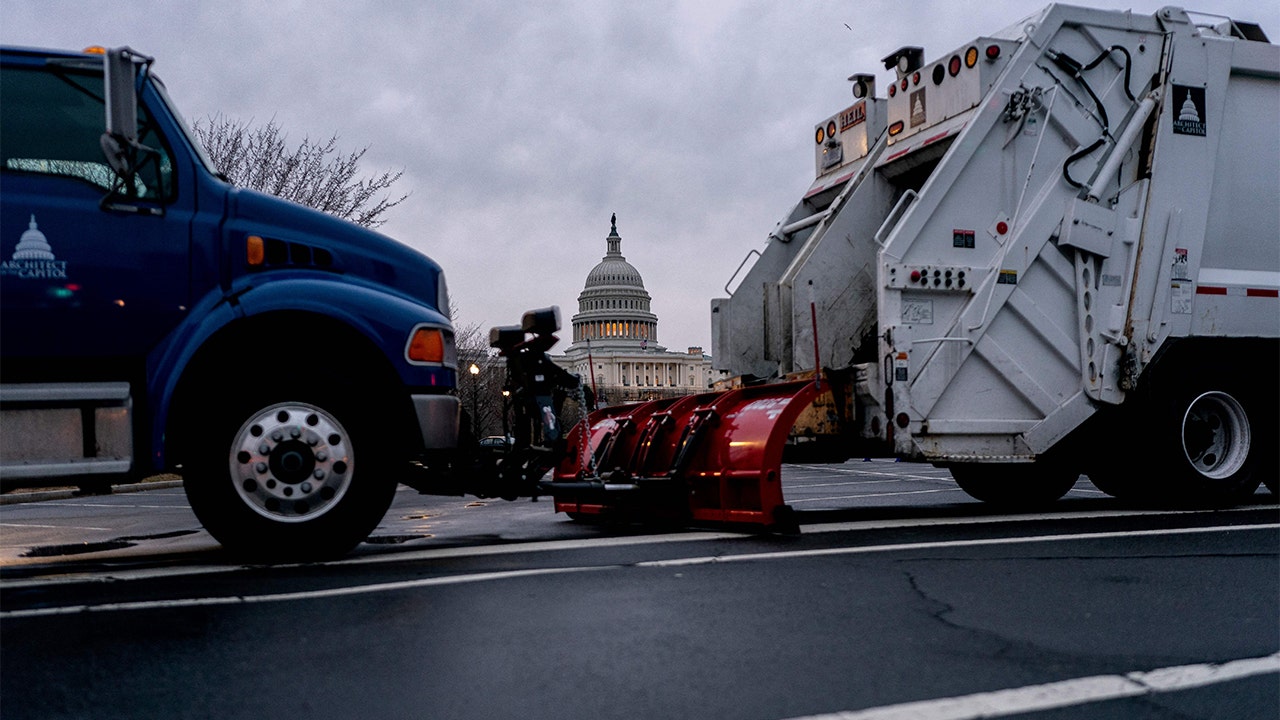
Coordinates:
x,y
184,126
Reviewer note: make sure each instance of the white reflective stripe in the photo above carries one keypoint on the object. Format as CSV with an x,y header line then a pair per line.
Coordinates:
x,y
1035,698
1258,279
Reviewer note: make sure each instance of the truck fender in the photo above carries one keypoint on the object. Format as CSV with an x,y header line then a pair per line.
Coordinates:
x,y
384,320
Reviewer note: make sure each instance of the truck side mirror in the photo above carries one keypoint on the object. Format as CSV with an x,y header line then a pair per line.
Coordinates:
x,y
121,137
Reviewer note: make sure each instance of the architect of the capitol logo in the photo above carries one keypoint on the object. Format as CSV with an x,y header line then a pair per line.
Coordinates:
x,y
1190,119
33,258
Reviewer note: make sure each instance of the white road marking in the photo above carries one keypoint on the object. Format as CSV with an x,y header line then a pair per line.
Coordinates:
x,y
945,544
871,495
113,506
1067,693
681,562
841,470
50,527
307,595
806,486
515,548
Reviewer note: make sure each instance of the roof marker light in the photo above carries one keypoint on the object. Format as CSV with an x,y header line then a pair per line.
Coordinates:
x,y
953,65
971,57
939,74
893,90
915,78
993,52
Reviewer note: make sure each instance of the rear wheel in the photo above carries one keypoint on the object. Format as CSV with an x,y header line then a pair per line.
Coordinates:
x,y
301,474
1209,447
1021,485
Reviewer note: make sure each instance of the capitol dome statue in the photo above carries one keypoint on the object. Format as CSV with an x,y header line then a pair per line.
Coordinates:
x,y
615,337
613,307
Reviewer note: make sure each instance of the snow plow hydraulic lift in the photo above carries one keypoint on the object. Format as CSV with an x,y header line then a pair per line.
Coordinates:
x,y
710,458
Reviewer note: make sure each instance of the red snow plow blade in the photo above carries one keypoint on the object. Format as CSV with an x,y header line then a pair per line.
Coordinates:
x,y
708,458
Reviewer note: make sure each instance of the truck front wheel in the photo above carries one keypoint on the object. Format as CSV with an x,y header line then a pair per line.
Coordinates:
x,y
300,477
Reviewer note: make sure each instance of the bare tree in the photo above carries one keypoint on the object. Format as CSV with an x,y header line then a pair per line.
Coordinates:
x,y
480,392
312,174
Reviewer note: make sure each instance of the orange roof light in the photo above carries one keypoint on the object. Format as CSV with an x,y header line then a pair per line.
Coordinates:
x,y
95,50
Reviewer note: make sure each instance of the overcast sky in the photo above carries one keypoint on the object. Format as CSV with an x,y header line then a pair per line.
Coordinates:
x,y
521,126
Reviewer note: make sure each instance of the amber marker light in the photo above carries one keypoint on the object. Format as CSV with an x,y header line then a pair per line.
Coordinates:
x,y
255,250
95,50
971,57
427,345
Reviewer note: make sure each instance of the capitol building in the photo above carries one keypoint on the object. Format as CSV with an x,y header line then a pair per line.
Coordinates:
x,y
615,338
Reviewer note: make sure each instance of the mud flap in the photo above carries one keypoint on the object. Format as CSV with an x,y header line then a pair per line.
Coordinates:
x,y
702,459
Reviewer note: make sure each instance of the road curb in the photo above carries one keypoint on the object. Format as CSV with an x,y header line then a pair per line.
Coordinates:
x,y
69,493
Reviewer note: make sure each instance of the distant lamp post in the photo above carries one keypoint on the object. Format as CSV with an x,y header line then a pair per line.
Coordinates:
x,y
506,409
475,398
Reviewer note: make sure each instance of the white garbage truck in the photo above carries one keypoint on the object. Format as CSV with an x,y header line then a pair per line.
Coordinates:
x,y
1054,251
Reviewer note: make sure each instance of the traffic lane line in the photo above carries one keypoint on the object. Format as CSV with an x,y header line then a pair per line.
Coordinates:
x,y
789,472
945,544
595,543
376,588
32,526
878,481
871,495
1066,693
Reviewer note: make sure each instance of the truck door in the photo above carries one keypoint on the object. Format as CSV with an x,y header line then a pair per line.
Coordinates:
x,y
81,277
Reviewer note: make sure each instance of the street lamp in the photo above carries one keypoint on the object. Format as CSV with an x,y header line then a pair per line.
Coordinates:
x,y
475,399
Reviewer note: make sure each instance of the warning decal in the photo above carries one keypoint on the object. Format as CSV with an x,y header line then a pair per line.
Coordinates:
x,y
1181,294
1189,102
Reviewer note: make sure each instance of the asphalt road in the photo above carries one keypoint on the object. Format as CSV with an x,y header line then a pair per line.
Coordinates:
x,y
897,591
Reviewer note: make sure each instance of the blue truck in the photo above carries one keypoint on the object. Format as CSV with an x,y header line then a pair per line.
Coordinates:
x,y
290,366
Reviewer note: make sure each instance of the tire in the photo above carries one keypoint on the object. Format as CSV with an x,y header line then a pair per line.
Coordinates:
x,y
298,473
1209,445
1015,486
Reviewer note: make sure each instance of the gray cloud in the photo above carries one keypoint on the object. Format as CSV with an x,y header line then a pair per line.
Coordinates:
x,y
522,126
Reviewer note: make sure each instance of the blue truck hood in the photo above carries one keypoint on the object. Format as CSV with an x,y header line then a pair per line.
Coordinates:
x,y
301,238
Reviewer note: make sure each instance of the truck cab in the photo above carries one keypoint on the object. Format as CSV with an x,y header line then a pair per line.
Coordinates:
x,y
155,318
